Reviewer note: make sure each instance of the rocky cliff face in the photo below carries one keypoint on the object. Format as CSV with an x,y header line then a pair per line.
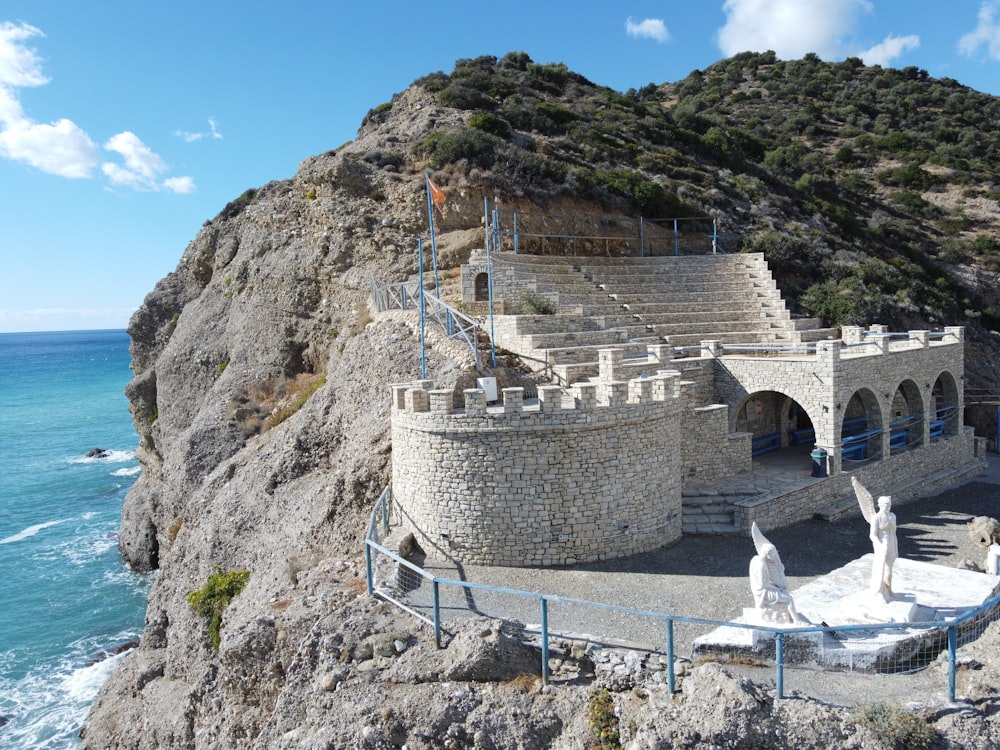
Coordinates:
x,y
260,397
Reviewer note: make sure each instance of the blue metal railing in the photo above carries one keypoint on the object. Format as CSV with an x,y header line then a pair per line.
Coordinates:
x,y
406,296
378,526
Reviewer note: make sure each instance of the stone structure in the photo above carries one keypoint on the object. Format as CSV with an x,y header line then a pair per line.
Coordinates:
x,y
534,483
541,482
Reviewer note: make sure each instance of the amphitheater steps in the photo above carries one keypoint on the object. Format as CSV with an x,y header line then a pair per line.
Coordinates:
x,y
621,302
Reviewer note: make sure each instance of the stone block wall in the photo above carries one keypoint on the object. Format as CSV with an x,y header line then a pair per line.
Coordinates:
x,y
537,483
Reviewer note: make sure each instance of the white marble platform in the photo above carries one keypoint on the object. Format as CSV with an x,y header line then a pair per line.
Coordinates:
x,y
927,597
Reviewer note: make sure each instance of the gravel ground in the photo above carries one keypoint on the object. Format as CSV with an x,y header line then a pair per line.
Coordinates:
x,y
705,577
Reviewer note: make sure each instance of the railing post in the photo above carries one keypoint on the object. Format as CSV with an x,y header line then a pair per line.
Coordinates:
x,y
952,660
368,569
677,240
385,512
671,679
437,612
779,658
545,641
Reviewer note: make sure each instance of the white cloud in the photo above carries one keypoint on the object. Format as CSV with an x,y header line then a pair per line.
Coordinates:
x,y
180,185
142,168
791,28
60,148
213,133
986,34
650,28
889,49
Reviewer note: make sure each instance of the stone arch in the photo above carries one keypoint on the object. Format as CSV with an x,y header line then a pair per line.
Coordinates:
x,y
774,419
906,417
481,285
944,407
861,429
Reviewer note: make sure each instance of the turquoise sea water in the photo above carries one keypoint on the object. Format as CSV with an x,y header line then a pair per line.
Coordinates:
x,y
66,598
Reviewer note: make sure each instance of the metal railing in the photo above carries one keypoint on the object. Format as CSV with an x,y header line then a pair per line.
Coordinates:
x,y
435,600
406,296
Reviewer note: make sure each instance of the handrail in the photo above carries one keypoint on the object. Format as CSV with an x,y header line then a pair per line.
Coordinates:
x,y
406,295
372,542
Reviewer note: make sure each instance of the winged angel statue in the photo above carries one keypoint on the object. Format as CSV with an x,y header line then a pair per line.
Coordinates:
x,y
768,583
882,532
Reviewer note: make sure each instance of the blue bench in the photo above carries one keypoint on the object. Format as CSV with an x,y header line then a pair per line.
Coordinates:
x,y
853,446
805,435
764,444
898,438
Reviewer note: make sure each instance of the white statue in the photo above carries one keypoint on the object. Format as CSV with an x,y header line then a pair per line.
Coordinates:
x,y
768,584
882,531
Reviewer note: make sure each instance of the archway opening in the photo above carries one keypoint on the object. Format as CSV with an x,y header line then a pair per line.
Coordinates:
x,y
482,287
777,424
944,407
906,418
861,430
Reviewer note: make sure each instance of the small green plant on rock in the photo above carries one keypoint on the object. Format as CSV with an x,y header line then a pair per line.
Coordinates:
x,y
896,728
603,720
535,304
211,600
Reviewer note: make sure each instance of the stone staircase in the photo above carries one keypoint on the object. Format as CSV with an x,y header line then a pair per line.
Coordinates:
x,y
636,303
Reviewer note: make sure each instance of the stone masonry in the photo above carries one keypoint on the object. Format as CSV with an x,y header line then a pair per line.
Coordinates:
x,y
546,482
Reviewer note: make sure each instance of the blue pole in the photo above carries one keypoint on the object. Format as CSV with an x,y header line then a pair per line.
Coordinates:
x,y
715,236
515,233
420,262
489,284
385,514
677,240
670,655
952,660
368,569
545,641
779,658
437,612
430,221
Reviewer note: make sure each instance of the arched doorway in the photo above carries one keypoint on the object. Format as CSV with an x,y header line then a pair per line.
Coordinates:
x,y
482,287
775,421
944,407
906,418
861,430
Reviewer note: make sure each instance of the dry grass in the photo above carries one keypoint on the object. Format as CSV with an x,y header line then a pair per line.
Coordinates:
x,y
278,399
357,586
524,682
175,528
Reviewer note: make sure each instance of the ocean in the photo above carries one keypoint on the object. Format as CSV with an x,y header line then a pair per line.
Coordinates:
x,y
68,604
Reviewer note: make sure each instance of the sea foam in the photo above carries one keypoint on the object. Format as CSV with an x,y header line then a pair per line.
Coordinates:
x,y
31,531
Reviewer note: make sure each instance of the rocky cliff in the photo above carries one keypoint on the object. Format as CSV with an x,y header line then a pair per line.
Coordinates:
x,y
260,398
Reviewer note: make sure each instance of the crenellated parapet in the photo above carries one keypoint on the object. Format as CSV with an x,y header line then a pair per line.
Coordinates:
x,y
587,474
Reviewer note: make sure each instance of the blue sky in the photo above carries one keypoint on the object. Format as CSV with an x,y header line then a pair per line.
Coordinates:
x,y
124,126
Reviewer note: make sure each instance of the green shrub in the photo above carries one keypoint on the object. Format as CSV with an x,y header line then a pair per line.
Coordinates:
x,y
535,304
212,600
603,720
490,123
896,728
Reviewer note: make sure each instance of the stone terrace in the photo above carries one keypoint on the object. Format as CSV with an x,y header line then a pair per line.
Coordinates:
x,y
637,304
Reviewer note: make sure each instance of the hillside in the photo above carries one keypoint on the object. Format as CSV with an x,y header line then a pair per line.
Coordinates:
x,y
260,374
